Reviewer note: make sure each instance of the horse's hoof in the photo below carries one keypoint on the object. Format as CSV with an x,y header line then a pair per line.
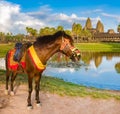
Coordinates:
x,y
12,93
29,107
38,104
6,92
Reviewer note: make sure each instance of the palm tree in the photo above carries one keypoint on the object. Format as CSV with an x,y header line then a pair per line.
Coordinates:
x,y
86,34
76,30
52,30
118,28
31,31
46,31
60,28
68,32
9,37
28,29
2,36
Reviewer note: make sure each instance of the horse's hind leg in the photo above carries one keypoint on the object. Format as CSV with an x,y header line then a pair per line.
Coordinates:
x,y
7,81
14,74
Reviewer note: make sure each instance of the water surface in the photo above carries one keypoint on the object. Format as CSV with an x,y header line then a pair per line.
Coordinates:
x,y
100,70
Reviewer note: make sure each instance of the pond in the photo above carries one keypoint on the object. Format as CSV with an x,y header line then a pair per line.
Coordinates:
x,y
99,70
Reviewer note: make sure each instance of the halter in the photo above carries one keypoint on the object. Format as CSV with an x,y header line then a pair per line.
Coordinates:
x,y
65,44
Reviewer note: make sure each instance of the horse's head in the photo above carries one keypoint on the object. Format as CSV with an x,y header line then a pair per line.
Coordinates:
x,y
68,48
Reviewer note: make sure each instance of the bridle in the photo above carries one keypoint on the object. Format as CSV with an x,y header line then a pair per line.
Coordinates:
x,y
66,45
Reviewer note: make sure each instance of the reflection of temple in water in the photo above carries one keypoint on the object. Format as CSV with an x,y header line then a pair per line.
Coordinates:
x,y
117,67
97,57
97,61
86,59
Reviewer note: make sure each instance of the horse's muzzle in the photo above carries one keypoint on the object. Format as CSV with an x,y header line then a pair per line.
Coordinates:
x,y
75,55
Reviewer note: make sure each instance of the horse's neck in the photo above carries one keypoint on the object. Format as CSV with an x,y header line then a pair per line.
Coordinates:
x,y
45,53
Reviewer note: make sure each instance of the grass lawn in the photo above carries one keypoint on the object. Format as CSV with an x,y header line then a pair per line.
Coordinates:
x,y
98,47
84,47
4,48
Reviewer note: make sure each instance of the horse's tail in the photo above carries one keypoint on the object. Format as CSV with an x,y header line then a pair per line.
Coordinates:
x,y
6,60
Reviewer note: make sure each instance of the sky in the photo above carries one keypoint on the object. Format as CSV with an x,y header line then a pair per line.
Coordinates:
x,y
16,15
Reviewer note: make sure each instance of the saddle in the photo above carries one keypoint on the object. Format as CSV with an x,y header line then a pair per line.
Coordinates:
x,y
16,60
18,47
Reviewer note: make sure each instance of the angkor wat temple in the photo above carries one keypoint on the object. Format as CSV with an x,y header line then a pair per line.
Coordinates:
x,y
98,33
109,36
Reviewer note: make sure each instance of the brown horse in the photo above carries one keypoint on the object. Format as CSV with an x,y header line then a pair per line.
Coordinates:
x,y
35,59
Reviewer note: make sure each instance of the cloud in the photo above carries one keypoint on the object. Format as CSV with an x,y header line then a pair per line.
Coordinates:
x,y
15,21
92,11
111,21
6,12
71,70
117,17
12,20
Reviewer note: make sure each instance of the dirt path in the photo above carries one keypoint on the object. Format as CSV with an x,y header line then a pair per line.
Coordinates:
x,y
54,104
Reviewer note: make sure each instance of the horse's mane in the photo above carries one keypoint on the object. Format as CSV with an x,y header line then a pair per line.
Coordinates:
x,y
50,38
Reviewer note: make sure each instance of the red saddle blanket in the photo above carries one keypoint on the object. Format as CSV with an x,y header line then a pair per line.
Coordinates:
x,y
13,65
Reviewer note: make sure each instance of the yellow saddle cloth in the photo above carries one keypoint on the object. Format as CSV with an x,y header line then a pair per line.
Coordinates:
x,y
36,61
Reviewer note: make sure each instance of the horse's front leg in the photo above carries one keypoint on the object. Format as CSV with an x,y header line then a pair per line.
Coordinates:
x,y
37,88
30,79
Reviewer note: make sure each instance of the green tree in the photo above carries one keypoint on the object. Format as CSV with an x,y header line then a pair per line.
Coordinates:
x,y
2,36
68,32
46,31
73,29
85,35
9,37
60,28
28,29
19,37
76,30
52,30
41,32
118,28
31,31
